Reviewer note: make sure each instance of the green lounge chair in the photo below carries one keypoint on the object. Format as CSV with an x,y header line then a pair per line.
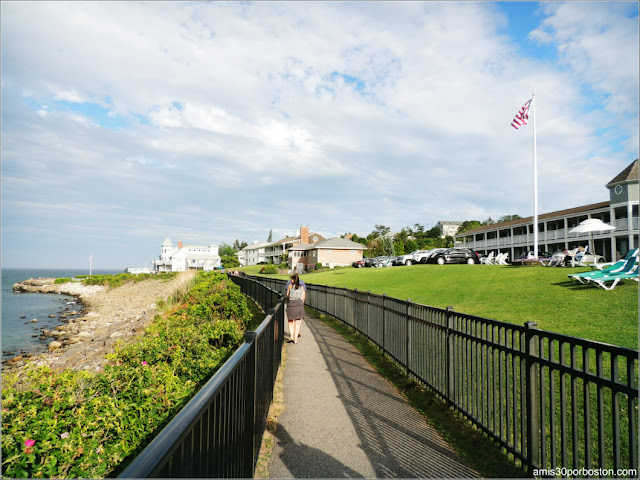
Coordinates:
x,y
608,282
618,267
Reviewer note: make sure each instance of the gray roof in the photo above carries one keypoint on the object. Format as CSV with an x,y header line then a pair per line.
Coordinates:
x,y
629,174
527,220
340,243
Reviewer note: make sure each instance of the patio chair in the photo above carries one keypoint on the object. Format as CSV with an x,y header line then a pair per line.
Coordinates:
x,y
629,269
504,259
498,258
608,282
488,260
605,266
617,267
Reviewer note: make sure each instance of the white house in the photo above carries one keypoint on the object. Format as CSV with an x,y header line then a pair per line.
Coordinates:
x,y
187,257
449,229
253,254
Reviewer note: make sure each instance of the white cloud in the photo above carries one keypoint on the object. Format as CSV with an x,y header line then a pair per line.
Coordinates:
x,y
364,113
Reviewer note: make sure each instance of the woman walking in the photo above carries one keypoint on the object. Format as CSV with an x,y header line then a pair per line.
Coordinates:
x,y
295,309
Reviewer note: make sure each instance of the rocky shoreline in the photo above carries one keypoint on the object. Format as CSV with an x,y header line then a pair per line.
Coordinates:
x,y
105,316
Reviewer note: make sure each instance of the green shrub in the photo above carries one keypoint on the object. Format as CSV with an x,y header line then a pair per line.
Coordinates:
x,y
80,424
318,266
62,280
269,270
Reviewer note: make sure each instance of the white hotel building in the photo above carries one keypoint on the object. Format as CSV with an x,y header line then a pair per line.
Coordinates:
x,y
187,257
516,236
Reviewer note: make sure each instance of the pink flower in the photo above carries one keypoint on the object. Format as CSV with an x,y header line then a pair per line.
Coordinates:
x,y
144,362
29,443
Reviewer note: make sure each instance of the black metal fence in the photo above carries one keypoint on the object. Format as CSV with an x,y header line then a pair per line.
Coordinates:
x,y
553,401
218,433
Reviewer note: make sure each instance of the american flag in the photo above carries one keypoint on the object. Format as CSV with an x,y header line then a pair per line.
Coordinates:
x,y
522,116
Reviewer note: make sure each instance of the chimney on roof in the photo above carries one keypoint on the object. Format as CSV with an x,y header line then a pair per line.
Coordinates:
x,y
304,235
179,244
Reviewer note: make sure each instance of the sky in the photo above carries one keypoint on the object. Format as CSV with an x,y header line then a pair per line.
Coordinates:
x,y
124,123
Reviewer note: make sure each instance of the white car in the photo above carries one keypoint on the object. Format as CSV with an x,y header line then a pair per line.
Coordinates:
x,y
407,259
424,255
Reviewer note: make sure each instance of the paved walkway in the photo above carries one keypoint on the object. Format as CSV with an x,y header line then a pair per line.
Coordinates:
x,y
343,419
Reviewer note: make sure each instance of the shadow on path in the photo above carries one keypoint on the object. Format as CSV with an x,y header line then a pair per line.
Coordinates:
x,y
343,419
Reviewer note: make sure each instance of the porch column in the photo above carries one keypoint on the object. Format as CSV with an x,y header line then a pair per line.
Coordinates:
x,y
612,215
630,224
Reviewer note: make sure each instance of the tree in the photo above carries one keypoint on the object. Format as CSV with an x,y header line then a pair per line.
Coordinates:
x,y
410,246
225,250
398,246
435,232
508,218
468,225
270,237
238,245
229,261
381,230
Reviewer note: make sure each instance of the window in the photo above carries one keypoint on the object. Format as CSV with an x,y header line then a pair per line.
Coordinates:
x,y
352,252
329,251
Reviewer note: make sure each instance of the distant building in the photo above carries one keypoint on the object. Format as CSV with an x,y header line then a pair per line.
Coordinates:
x,y
253,254
449,229
334,252
187,257
276,250
139,270
516,236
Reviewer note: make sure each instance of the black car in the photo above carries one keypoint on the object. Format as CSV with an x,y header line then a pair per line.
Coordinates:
x,y
455,255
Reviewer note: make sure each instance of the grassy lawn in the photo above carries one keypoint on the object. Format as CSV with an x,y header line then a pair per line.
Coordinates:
x,y
510,294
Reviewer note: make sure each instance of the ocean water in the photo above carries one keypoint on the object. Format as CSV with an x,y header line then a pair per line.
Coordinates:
x,y
19,335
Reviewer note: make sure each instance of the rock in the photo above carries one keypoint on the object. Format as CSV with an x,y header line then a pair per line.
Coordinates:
x,y
73,340
115,334
33,320
54,345
73,312
23,316
16,359
52,316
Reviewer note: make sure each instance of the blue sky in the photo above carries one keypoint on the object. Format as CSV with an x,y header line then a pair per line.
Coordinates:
x,y
127,122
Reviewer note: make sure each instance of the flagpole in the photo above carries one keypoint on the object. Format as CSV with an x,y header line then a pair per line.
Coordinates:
x,y
535,182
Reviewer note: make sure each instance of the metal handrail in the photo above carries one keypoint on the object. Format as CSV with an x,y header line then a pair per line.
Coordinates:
x,y
218,432
548,399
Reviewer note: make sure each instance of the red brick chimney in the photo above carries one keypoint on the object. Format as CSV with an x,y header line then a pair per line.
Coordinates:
x,y
304,235
179,244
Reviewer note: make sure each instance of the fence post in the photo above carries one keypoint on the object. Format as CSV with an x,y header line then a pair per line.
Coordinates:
x,y
533,432
250,405
384,317
450,352
366,334
406,360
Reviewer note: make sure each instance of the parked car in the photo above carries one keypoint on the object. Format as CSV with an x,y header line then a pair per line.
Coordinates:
x,y
455,255
358,263
368,262
382,262
420,255
427,254
407,259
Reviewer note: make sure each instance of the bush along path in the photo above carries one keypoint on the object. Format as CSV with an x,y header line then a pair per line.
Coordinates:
x,y
90,425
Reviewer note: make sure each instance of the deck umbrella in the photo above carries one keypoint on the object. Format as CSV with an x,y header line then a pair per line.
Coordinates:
x,y
591,225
